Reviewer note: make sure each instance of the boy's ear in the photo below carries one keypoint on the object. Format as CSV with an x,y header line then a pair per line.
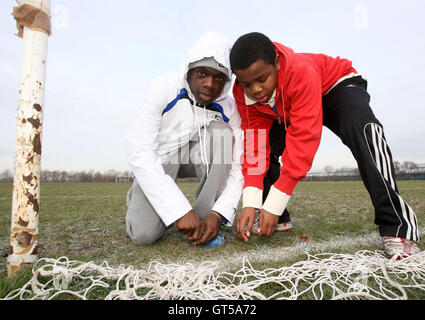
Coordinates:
x,y
277,62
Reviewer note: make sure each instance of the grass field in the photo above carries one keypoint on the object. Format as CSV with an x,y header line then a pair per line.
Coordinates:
x,y
86,222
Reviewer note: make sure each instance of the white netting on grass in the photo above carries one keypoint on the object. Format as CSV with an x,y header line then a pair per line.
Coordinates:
x,y
364,275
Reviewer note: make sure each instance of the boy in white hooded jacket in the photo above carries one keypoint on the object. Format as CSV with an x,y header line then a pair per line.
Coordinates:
x,y
186,121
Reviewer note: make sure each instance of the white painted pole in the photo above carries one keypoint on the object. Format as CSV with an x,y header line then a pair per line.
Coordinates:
x,y
27,166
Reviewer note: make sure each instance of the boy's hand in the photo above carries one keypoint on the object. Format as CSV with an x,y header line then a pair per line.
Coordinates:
x,y
247,217
209,229
266,223
190,225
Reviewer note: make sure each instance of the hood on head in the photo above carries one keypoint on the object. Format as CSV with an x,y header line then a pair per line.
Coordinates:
x,y
286,57
210,44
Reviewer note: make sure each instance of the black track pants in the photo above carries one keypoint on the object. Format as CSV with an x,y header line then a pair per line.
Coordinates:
x,y
277,145
347,113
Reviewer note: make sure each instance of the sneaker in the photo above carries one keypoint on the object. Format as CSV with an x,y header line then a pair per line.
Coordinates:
x,y
284,226
216,242
281,226
399,247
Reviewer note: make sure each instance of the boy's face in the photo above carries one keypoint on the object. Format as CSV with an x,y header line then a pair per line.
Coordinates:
x,y
259,80
206,84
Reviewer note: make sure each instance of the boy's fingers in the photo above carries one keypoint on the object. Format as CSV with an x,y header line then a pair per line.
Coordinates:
x,y
196,234
267,223
249,228
204,239
265,231
238,224
192,232
206,235
245,233
239,228
241,235
263,227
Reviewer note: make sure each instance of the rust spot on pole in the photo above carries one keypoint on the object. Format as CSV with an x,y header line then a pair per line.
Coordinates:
x,y
32,200
24,239
28,178
36,142
13,269
36,123
37,107
27,15
30,159
22,223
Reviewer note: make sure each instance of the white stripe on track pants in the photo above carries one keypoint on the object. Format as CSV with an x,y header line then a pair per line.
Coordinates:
x,y
347,113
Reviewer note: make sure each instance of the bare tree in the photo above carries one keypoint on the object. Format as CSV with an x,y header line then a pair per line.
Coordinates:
x,y
408,166
6,176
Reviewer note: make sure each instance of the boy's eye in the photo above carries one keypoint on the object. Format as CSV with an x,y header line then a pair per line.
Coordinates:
x,y
220,78
202,73
262,80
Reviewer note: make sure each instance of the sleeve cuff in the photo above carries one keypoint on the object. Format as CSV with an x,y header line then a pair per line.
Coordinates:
x,y
252,197
276,201
286,183
227,213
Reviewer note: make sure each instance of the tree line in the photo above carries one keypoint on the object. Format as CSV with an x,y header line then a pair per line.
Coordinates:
x,y
404,170
75,176
407,170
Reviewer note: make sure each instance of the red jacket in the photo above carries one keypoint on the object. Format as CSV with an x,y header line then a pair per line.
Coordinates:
x,y
303,79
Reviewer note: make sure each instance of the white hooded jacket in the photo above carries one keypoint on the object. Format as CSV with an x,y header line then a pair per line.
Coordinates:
x,y
167,121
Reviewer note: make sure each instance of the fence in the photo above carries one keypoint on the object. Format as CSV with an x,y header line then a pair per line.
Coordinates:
x,y
417,173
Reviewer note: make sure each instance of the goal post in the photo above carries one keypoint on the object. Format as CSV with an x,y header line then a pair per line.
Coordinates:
x,y
34,27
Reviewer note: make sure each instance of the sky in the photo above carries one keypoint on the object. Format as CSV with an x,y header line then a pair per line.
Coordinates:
x,y
101,55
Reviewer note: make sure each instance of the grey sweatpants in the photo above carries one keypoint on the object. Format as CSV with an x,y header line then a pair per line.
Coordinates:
x,y
144,226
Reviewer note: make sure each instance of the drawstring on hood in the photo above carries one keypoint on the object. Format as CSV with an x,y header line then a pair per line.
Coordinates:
x,y
202,141
284,112
213,50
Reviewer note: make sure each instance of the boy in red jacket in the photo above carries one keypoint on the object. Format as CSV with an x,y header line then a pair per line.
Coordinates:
x,y
284,98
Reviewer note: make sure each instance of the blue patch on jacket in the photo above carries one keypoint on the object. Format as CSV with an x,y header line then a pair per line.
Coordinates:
x,y
184,95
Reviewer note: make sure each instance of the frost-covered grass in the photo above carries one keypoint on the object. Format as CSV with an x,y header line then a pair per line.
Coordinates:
x,y
86,222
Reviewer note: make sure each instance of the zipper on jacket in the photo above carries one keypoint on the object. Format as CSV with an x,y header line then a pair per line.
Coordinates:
x,y
278,116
